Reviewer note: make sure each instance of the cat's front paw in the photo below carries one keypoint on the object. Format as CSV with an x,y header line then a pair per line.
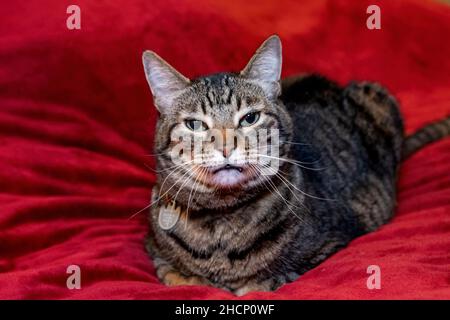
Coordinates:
x,y
266,285
175,278
171,277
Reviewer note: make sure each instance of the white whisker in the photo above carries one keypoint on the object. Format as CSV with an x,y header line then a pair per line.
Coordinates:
x,y
280,176
292,161
159,195
274,188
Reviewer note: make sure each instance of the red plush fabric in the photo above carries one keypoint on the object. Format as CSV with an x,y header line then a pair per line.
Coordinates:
x,y
76,124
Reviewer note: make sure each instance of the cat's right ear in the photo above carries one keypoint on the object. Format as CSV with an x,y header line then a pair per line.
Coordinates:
x,y
165,82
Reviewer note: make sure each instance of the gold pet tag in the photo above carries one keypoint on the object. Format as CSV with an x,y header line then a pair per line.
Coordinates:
x,y
168,216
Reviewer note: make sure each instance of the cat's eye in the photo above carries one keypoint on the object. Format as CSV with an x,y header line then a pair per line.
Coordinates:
x,y
196,125
249,119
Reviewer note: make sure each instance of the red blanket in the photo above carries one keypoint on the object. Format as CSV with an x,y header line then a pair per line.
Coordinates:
x,y
76,128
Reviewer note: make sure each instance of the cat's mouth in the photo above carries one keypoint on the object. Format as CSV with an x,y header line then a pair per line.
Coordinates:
x,y
226,176
227,167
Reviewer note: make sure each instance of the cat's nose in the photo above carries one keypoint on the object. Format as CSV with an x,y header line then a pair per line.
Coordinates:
x,y
226,152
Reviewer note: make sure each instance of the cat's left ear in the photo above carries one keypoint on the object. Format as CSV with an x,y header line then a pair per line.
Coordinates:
x,y
165,82
265,67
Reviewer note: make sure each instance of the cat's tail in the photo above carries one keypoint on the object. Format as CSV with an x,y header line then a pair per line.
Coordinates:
x,y
425,135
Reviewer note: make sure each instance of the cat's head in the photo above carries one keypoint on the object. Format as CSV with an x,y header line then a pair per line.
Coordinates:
x,y
222,132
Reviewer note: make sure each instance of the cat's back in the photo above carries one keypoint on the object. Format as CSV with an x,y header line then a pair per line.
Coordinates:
x,y
348,140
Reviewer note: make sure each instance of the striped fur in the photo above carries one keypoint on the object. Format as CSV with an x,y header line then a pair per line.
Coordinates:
x,y
268,231
428,134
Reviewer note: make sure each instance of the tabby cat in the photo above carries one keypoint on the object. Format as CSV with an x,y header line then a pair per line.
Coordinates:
x,y
221,222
